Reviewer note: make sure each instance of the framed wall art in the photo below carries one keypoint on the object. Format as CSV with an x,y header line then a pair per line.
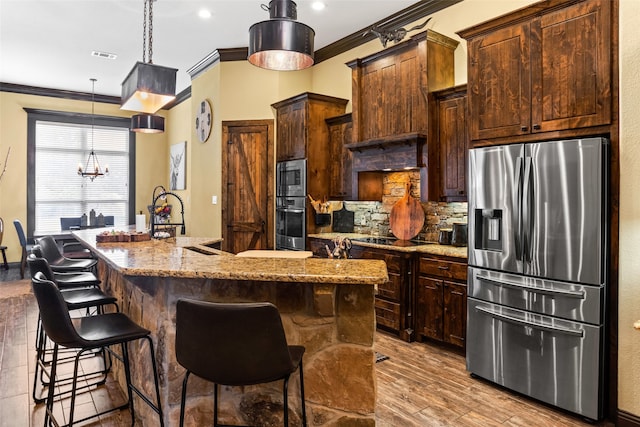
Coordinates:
x,y
178,166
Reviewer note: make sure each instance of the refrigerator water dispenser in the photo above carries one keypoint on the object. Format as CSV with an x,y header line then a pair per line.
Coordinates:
x,y
488,229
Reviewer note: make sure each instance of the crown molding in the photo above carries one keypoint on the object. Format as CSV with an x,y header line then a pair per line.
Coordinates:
x,y
406,16
218,55
58,93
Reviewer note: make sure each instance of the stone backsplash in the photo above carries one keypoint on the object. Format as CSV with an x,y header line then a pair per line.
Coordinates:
x,y
373,217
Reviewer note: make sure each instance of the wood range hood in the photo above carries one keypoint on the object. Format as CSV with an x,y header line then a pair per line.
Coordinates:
x,y
396,152
373,157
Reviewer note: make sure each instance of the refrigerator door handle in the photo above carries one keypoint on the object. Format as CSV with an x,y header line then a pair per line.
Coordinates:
x,y
527,210
570,294
517,217
534,325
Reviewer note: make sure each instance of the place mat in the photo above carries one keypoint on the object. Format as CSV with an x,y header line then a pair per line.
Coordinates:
x,y
381,357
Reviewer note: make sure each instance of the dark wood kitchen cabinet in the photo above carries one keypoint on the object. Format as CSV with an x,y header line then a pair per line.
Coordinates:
x,y
448,130
390,87
301,129
540,69
441,300
393,300
302,133
390,110
340,158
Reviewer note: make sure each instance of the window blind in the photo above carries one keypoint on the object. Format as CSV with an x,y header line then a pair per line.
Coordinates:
x,y
60,148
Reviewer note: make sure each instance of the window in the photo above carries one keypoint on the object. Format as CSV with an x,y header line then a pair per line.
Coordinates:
x,y
57,144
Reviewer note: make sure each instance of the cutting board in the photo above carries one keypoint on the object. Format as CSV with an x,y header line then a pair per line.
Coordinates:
x,y
407,216
343,220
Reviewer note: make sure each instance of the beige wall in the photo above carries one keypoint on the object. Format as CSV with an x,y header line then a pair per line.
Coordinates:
x,y
629,270
151,157
237,91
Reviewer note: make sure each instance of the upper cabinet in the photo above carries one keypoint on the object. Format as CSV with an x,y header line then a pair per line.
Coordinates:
x,y
340,129
448,131
390,112
301,129
390,88
540,69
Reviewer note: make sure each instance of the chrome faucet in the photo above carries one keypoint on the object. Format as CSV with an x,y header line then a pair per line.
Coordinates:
x,y
163,195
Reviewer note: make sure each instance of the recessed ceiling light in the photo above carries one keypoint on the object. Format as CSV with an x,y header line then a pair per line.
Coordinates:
x,y
204,14
318,5
105,55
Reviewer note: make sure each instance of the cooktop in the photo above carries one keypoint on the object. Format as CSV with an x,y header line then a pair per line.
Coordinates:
x,y
392,241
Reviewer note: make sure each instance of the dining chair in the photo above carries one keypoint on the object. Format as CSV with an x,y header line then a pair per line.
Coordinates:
x,y
26,247
235,344
70,223
87,334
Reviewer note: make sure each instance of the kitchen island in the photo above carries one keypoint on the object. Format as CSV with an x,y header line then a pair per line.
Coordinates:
x,y
326,305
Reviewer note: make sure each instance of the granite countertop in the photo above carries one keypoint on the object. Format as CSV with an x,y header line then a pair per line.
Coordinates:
x,y
430,248
192,257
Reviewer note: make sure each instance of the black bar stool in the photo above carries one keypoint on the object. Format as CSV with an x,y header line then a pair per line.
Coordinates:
x,y
235,344
58,262
79,291
86,334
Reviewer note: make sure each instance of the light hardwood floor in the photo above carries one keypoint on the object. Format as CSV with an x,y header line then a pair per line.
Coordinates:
x,y
419,385
427,385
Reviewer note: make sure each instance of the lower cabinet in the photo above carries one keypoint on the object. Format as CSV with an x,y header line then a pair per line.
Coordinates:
x,y
393,300
441,300
428,304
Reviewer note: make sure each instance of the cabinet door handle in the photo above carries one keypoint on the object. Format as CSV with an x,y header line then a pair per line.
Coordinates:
x,y
536,127
524,128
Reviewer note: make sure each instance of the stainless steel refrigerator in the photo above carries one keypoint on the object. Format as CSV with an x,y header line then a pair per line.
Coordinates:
x,y
538,270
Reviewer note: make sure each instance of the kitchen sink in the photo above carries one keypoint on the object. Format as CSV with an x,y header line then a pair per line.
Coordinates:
x,y
200,250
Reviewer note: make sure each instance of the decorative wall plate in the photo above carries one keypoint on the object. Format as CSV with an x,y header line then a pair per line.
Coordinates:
x,y
204,120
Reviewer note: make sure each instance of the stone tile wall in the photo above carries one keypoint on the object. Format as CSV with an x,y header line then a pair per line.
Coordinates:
x,y
373,217
334,322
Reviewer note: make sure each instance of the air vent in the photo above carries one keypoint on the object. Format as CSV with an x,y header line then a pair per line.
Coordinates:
x,y
105,55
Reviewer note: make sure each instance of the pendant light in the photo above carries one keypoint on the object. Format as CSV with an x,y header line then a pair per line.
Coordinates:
x,y
147,123
281,43
148,87
92,168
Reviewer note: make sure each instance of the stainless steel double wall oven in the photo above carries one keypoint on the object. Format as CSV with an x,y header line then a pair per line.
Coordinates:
x,y
538,270
291,192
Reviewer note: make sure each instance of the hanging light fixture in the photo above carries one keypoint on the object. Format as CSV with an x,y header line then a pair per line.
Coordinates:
x,y
147,123
148,87
92,169
282,43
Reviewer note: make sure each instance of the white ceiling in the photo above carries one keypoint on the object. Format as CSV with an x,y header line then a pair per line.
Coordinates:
x,y
48,43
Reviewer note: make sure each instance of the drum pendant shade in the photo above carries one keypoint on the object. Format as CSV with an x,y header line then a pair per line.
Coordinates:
x,y
281,43
147,123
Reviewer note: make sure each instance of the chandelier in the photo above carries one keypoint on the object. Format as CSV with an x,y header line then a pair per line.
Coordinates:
x,y
148,87
92,168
